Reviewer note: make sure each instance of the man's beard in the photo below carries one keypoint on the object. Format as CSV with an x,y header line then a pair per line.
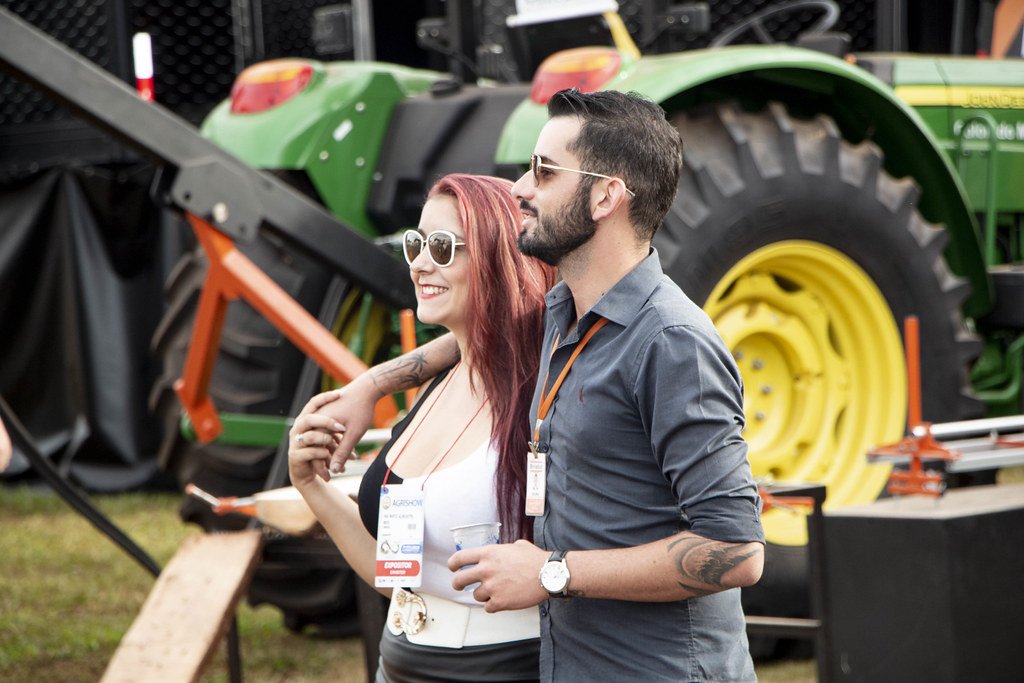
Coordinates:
x,y
563,232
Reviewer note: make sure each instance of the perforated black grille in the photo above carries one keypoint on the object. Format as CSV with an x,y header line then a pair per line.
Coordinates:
x,y
194,64
288,28
83,25
195,58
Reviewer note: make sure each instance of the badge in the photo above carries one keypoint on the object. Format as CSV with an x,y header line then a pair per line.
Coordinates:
x,y
536,481
399,537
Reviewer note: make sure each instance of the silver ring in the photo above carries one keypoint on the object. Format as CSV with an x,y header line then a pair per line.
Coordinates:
x,y
299,439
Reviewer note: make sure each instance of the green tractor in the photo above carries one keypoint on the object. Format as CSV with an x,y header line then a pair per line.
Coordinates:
x,y
825,197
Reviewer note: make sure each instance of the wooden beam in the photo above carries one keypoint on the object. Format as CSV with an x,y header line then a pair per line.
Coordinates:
x,y
189,610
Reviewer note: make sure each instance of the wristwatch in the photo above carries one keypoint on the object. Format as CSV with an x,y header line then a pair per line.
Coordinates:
x,y
554,575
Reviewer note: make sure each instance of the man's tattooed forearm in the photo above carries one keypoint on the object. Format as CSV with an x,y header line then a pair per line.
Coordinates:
x,y
703,561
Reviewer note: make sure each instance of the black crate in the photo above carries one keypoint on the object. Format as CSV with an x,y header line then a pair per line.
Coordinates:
x,y
922,589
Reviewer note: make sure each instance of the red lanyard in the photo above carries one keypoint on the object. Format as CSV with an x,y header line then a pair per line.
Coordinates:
x,y
548,399
437,461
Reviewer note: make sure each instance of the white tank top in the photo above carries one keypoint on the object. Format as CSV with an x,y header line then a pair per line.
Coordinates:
x,y
454,496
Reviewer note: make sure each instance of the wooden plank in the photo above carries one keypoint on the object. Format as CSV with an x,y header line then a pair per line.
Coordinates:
x,y
189,609
286,510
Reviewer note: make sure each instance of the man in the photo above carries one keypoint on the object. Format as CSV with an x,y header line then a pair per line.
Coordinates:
x,y
649,513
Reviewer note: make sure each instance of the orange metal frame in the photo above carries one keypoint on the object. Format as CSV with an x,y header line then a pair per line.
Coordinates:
x,y
791,503
231,275
919,443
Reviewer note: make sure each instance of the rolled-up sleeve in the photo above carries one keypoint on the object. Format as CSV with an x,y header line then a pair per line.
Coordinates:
x,y
690,397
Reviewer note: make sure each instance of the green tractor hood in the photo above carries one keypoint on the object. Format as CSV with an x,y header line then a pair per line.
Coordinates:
x,y
808,83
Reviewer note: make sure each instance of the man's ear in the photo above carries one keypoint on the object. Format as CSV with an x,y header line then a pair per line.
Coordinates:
x,y
606,197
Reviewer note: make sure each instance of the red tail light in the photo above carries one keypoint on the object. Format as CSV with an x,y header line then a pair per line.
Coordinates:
x,y
584,68
268,84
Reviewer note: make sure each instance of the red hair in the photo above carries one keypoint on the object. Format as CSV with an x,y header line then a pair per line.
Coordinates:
x,y
505,318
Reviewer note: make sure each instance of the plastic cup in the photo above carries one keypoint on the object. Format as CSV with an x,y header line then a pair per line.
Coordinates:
x,y
474,536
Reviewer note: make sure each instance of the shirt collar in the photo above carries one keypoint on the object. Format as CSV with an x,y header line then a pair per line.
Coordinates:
x,y
620,304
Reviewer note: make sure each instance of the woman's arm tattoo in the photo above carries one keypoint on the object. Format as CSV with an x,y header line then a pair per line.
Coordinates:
x,y
404,372
702,562
414,368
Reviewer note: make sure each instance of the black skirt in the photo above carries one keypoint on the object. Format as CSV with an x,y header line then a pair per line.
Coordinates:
x,y
405,662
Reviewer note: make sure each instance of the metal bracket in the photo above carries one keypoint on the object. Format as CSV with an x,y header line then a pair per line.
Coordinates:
x,y
232,275
919,444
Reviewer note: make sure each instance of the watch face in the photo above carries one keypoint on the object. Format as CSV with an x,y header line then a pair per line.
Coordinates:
x,y
554,577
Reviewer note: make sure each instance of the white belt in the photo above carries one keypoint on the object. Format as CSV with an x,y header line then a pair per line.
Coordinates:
x,y
431,620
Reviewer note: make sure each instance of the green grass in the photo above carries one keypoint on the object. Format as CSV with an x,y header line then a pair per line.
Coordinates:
x,y
68,594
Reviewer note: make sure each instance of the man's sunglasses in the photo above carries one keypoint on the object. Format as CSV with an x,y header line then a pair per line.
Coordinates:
x,y
536,164
441,246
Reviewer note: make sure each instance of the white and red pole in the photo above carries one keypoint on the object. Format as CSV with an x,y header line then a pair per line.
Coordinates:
x,y
142,53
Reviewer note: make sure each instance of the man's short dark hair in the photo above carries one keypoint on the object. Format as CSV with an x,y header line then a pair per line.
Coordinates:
x,y
626,135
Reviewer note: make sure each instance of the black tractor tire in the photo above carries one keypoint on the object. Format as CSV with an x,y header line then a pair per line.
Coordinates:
x,y
256,372
785,233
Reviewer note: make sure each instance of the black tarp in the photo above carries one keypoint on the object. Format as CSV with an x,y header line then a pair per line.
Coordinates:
x,y
83,255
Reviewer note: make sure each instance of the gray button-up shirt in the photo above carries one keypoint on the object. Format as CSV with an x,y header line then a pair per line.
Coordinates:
x,y
643,441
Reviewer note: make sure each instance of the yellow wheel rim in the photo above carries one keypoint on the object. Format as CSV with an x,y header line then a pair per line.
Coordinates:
x,y
823,372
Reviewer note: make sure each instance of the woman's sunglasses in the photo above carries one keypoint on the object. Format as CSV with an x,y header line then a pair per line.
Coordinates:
x,y
441,246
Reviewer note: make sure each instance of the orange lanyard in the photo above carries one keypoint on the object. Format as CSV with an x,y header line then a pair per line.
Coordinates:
x,y
548,399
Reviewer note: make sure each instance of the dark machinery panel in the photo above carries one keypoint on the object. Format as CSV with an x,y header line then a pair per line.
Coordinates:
x,y
928,590
645,20
432,135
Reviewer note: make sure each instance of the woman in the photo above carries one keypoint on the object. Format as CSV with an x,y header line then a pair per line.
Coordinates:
x,y
459,455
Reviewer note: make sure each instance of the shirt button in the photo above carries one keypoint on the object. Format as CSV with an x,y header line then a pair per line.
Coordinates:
x,y
543,610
